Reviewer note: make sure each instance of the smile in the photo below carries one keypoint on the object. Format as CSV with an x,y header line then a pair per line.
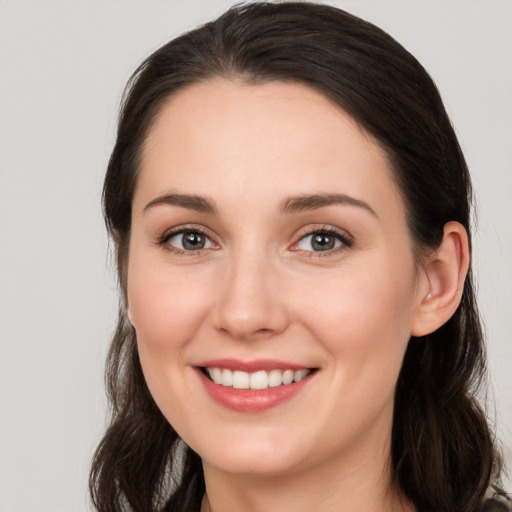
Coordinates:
x,y
253,386
259,380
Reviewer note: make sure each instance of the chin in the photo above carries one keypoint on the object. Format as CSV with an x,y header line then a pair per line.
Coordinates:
x,y
251,457
254,466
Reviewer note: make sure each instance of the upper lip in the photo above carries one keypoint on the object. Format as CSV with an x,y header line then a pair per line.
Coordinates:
x,y
252,366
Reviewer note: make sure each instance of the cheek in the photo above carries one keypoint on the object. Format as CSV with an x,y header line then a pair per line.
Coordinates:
x,y
363,318
166,307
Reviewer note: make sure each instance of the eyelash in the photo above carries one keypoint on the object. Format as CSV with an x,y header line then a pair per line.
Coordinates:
x,y
164,240
346,241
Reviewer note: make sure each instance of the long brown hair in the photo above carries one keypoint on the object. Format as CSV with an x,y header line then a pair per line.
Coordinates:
x,y
443,456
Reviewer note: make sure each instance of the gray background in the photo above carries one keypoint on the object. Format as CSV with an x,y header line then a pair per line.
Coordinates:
x,y
62,69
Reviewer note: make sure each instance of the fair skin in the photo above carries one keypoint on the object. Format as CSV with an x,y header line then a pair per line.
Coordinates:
x,y
258,272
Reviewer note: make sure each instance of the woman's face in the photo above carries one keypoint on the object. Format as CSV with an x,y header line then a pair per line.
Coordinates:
x,y
269,243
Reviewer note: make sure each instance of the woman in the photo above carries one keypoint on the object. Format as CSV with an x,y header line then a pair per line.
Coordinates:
x,y
297,329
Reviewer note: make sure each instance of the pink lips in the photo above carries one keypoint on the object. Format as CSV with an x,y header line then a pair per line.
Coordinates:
x,y
250,400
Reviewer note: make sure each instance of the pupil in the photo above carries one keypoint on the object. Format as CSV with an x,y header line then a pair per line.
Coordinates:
x,y
193,241
322,242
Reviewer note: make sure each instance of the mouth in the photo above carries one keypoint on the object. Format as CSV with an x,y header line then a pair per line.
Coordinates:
x,y
254,381
253,386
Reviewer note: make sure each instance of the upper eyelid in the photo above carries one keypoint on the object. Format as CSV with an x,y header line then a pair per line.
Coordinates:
x,y
325,228
163,240
184,228
347,241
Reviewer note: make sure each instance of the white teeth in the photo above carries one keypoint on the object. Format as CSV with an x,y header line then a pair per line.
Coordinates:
x,y
227,377
257,380
288,377
240,380
275,378
299,375
216,375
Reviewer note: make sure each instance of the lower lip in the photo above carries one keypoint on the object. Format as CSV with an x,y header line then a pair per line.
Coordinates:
x,y
247,400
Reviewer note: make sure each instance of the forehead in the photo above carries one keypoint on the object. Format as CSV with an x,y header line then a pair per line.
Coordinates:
x,y
242,140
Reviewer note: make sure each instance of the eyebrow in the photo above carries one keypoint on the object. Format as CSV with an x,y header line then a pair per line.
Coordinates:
x,y
315,201
192,202
289,205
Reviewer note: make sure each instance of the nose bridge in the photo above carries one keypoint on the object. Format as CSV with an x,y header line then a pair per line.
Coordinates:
x,y
249,303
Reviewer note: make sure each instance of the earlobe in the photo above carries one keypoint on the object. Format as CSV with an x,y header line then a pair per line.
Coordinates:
x,y
445,273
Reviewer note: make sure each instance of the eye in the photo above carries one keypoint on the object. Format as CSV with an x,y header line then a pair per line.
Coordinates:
x,y
322,241
189,240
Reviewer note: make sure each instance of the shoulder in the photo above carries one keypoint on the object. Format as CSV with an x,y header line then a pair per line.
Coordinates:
x,y
496,500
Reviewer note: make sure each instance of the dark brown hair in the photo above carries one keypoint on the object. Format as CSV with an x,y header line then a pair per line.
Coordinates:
x,y
443,456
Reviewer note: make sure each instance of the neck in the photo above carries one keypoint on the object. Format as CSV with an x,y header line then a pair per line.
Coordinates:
x,y
358,483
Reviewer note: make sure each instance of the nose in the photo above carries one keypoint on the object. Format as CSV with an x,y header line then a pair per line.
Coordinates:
x,y
250,304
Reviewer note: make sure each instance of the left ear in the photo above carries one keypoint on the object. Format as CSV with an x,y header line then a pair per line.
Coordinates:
x,y
443,277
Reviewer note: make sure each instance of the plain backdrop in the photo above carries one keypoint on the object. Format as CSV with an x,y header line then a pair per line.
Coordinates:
x,y
63,66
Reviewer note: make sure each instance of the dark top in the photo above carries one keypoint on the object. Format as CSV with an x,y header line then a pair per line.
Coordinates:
x,y
497,501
